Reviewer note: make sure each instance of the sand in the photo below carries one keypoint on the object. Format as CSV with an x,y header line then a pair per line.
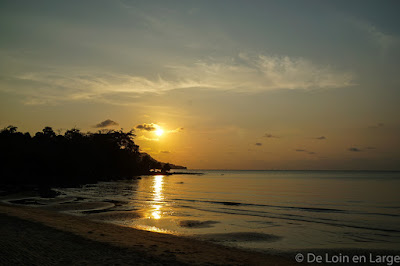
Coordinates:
x,y
31,235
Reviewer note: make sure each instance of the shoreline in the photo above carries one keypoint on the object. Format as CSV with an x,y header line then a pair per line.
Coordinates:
x,y
57,236
158,248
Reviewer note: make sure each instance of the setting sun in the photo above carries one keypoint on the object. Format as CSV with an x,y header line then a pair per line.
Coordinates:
x,y
247,133
159,131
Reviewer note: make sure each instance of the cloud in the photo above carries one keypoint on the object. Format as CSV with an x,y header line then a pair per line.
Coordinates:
x,y
267,135
383,40
242,72
147,127
321,138
153,127
147,139
179,129
165,152
369,148
308,152
246,72
106,123
354,149
379,125
258,144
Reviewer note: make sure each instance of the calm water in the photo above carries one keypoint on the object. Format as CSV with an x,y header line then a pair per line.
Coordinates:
x,y
279,210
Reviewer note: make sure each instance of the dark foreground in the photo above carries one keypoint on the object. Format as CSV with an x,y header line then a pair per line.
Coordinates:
x,y
30,236
28,243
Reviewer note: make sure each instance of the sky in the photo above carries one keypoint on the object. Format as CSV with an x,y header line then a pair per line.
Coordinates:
x,y
212,84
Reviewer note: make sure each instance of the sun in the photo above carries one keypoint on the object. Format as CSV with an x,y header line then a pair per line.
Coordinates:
x,y
159,131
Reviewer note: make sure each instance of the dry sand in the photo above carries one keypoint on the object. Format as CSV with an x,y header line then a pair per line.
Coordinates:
x,y
41,237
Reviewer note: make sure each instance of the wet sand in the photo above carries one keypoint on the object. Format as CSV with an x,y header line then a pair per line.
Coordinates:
x,y
36,236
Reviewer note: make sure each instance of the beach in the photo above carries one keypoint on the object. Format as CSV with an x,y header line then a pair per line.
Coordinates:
x,y
199,220
41,237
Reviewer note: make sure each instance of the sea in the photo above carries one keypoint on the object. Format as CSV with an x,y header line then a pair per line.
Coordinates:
x,y
262,210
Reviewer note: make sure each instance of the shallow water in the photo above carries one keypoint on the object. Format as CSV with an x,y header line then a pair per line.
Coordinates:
x,y
266,210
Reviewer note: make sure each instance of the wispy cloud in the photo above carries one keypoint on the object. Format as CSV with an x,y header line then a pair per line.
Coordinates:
x,y
355,149
263,72
244,72
179,129
267,135
379,125
106,123
142,137
305,151
383,40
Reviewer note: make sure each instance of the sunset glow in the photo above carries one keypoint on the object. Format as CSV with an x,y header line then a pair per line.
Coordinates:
x,y
159,132
257,86
268,126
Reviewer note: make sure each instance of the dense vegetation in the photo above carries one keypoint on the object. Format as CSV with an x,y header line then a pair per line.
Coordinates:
x,y
50,159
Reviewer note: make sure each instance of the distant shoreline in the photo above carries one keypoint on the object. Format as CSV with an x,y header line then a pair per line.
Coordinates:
x,y
282,170
179,173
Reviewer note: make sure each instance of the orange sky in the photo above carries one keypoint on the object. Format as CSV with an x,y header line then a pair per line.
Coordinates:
x,y
271,85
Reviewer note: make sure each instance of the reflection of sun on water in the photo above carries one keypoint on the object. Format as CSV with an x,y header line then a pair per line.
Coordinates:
x,y
156,212
155,229
157,196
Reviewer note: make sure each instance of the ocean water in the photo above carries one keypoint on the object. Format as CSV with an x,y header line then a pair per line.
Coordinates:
x,y
264,210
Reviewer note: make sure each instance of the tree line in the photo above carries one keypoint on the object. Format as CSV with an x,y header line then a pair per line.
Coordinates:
x,y
71,158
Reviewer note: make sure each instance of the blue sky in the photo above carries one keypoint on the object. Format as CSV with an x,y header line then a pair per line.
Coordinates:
x,y
228,72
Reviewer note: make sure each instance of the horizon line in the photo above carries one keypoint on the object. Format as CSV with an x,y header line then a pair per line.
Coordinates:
x,y
328,170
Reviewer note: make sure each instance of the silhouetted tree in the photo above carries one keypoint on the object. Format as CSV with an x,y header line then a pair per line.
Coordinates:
x,y
73,158
166,168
